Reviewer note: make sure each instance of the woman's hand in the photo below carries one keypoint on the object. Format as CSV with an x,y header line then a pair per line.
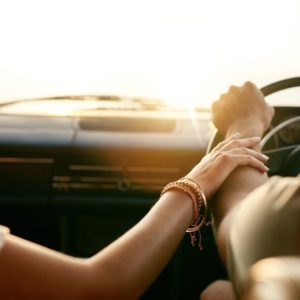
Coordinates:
x,y
216,166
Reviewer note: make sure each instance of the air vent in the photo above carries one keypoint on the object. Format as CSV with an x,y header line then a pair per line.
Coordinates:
x,y
96,178
127,124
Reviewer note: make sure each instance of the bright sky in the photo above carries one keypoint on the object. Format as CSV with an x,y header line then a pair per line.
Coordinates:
x,y
177,50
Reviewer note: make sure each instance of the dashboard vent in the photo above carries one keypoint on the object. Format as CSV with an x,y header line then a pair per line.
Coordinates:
x,y
95,178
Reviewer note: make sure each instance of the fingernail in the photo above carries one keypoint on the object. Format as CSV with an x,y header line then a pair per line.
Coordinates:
x,y
265,157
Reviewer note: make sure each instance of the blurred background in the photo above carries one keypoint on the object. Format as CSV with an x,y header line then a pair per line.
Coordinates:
x,y
180,51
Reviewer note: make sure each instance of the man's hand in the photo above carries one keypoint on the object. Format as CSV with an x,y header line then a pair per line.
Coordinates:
x,y
242,109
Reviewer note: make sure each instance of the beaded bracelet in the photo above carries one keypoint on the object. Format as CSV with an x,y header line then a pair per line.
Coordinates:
x,y
195,192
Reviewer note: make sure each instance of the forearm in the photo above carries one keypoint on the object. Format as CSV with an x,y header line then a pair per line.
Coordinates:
x,y
131,263
237,186
31,271
121,271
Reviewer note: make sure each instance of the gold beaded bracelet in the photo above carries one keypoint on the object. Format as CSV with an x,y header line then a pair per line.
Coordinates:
x,y
195,192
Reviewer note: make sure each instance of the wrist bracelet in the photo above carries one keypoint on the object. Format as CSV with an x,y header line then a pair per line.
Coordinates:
x,y
196,194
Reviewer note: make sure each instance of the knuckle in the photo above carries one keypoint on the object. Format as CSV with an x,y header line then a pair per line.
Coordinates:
x,y
245,149
218,154
249,158
235,143
221,144
249,84
215,106
233,89
225,158
223,96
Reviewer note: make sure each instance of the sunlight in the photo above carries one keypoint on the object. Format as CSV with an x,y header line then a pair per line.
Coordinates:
x,y
184,52
46,108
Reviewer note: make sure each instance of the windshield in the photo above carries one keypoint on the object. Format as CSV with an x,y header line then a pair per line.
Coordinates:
x,y
180,51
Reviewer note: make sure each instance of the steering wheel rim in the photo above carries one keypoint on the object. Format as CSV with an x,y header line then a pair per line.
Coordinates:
x,y
266,90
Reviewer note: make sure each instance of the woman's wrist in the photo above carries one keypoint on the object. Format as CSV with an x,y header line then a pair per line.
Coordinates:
x,y
195,193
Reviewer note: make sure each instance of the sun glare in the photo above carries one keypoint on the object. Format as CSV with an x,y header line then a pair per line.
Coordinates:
x,y
184,52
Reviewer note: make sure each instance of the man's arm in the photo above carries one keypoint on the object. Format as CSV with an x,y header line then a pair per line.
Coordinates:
x,y
242,110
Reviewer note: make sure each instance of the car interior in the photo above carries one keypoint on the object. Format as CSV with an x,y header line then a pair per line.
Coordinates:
x,y
77,182
103,103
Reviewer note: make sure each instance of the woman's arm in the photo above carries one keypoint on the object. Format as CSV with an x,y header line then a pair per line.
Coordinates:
x,y
128,266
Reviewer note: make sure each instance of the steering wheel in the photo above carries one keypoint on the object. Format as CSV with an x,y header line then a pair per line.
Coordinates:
x,y
281,160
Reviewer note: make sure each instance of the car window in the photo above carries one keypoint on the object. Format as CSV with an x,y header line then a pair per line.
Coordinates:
x,y
179,51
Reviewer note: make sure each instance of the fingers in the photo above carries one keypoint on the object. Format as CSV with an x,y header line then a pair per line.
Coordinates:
x,y
216,166
234,89
235,152
248,86
250,161
246,152
234,141
228,162
238,143
226,141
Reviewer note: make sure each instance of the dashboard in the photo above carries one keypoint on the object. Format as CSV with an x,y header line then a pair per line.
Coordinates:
x,y
67,155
